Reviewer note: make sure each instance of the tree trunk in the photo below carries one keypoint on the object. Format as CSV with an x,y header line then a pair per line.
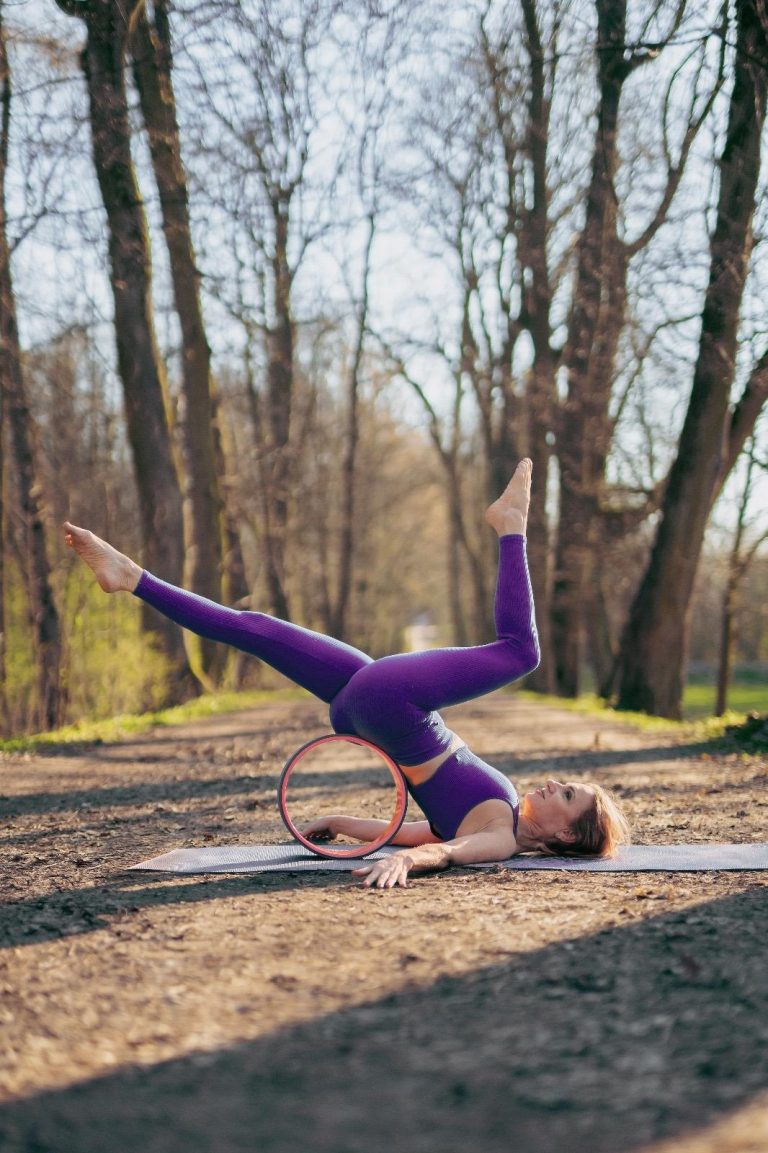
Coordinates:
x,y
725,656
456,608
584,435
152,63
234,582
43,617
600,646
654,646
103,62
541,400
4,715
597,323
277,427
738,565
346,537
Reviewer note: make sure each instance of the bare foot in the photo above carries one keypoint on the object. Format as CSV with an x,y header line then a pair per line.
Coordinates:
x,y
509,514
114,571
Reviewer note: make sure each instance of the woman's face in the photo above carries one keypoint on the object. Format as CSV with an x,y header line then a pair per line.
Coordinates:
x,y
555,806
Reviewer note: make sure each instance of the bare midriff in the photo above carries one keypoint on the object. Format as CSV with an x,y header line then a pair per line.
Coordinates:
x,y
418,774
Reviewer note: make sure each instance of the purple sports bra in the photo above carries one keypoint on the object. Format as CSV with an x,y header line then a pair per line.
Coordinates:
x,y
462,782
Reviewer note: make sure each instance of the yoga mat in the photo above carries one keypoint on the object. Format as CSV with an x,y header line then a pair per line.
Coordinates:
x,y
631,859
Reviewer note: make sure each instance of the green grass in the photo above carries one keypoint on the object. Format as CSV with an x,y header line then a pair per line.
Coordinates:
x,y
698,703
590,704
118,728
699,700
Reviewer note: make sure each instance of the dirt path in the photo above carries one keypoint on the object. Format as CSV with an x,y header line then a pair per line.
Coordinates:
x,y
492,1011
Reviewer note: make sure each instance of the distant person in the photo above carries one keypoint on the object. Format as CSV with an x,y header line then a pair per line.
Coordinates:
x,y
473,811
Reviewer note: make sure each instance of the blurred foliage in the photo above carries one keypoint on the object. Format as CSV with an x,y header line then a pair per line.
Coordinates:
x,y
117,728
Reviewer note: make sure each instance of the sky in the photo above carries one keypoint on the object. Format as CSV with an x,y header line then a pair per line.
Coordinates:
x,y
59,266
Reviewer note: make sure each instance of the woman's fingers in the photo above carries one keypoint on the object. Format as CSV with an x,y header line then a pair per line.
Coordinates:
x,y
384,874
319,830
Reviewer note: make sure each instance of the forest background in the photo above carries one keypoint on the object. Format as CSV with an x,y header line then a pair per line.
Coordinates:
x,y
286,289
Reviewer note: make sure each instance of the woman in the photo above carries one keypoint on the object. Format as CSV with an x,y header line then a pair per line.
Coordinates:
x,y
473,810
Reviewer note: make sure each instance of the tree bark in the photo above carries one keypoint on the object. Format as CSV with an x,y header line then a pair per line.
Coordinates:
x,y
584,435
725,656
234,582
340,608
738,565
276,429
460,545
597,322
103,62
5,726
600,646
541,398
152,64
654,647
43,616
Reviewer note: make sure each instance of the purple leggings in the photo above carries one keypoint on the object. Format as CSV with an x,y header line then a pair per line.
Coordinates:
x,y
391,701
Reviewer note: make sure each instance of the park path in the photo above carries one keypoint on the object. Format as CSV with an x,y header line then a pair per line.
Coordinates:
x,y
609,1014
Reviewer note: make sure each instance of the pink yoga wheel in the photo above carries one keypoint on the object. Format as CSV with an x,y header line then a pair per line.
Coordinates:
x,y
314,753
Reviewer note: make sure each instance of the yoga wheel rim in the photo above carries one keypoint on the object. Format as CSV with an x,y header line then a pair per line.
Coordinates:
x,y
353,851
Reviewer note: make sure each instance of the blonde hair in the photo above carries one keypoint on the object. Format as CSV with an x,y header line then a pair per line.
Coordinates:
x,y
598,832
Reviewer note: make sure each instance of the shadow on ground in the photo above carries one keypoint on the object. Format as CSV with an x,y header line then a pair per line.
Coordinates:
x,y
218,788
595,1045
587,760
578,763
77,911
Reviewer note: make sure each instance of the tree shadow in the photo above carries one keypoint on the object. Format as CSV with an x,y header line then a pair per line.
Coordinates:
x,y
190,788
587,760
597,1045
138,793
74,912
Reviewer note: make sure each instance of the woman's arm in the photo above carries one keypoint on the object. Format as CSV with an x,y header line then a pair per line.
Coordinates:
x,y
361,829
415,833
494,843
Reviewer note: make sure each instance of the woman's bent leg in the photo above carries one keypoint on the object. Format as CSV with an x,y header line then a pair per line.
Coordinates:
x,y
316,662
393,700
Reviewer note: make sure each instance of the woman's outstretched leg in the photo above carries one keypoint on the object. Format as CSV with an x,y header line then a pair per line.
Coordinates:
x,y
317,663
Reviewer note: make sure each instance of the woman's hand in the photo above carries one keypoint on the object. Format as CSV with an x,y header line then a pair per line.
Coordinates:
x,y
341,825
386,873
494,843
321,829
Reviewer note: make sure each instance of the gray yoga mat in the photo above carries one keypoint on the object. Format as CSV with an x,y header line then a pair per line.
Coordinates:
x,y
293,858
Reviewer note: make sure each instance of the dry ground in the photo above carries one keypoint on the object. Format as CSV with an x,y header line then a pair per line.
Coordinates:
x,y
497,1011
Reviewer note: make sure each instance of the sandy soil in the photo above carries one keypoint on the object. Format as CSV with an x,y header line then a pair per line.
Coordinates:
x,y
484,1010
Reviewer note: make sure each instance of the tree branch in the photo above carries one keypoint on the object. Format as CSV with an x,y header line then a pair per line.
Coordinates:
x,y
74,7
675,171
745,414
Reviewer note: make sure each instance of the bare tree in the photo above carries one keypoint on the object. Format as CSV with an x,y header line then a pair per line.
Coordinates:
x,y
597,322
261,94
466,200
740,557
654,645
446,436
152,55
4,712
103,64
337,624
508,209
43,615
365,136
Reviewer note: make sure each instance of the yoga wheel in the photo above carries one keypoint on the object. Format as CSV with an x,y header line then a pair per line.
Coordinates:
x,y
332,774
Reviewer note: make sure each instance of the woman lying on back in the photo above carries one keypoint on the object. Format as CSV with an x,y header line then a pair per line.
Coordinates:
x,y
473,811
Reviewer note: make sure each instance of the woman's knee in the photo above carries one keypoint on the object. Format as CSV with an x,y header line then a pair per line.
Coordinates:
x,y
531,654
